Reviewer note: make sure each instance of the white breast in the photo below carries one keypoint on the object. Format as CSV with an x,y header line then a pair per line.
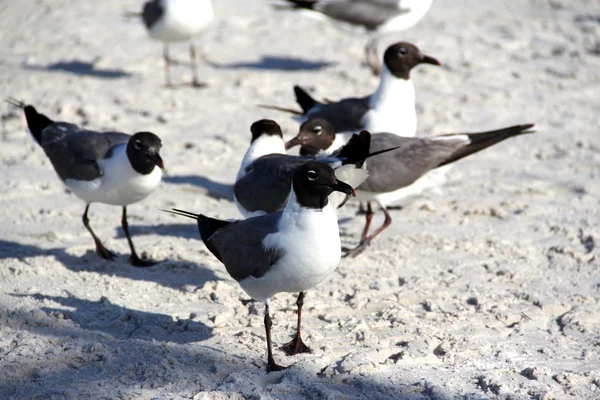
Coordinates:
x,y
182,19
119,185
263,145
392,106
312,246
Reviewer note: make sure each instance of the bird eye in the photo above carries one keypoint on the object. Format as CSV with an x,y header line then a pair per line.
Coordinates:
x,y
312,175
317,130
137,144
402,51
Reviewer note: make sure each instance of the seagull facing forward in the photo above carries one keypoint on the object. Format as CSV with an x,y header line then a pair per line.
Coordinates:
x,y
288,251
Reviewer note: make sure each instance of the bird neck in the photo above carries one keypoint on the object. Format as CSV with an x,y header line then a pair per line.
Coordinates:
x,y
263,145
392,90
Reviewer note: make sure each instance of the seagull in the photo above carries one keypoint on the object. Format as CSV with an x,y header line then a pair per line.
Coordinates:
x,y
177,21
264,182
376,16
100,167
391,108
409,170
288,251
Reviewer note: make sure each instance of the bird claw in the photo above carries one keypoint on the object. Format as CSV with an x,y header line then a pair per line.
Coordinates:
x,y
272,367
141,263
295,346
104,253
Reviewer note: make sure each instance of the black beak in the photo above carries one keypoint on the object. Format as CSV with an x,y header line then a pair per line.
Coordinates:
x,y
343,187
300,139
425,59
155,157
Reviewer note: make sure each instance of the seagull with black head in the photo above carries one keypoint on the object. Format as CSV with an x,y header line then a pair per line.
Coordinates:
x,y
391,108
100,167
288,251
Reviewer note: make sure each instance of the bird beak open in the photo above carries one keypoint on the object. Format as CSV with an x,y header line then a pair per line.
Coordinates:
x,y
155,157
425,59
300,139
343,187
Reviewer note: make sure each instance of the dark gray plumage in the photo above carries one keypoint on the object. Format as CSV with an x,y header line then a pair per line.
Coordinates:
x,y
268,181
246,236
345,115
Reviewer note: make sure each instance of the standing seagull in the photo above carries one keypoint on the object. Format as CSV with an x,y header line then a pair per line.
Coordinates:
x,y
100,167
288,251
177,21
406,171
377,16
391,108
263,182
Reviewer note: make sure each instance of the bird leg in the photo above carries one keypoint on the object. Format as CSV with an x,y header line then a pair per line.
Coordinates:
x,y
134,259
367,241
102,251
369,217
167,65
296,345
195,82
271,365
372,56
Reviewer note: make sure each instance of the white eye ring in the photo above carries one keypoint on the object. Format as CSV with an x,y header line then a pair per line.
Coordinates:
x,y
402,51
312,175
137,144
318,130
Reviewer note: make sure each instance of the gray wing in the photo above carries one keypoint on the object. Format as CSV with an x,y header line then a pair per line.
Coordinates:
x,y
267,183
74,152
241,249
344,115
368,13
402,167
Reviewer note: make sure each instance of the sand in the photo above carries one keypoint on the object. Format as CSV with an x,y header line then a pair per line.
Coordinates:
x,y
486,291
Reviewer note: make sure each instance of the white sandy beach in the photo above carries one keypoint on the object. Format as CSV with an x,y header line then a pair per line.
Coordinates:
x,y
488,291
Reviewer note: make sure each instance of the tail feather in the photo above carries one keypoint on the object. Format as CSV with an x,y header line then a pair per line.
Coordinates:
x,y
284,109
356,151
304,99
207,227
482,140
303,3
35,121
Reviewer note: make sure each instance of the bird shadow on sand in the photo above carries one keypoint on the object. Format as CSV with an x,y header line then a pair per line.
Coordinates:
x,y
79,348
216,190
122,322
274,62
85,68
173,274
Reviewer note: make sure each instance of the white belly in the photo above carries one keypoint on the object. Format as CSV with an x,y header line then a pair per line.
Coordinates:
x,y
313,252
120,184
182,20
